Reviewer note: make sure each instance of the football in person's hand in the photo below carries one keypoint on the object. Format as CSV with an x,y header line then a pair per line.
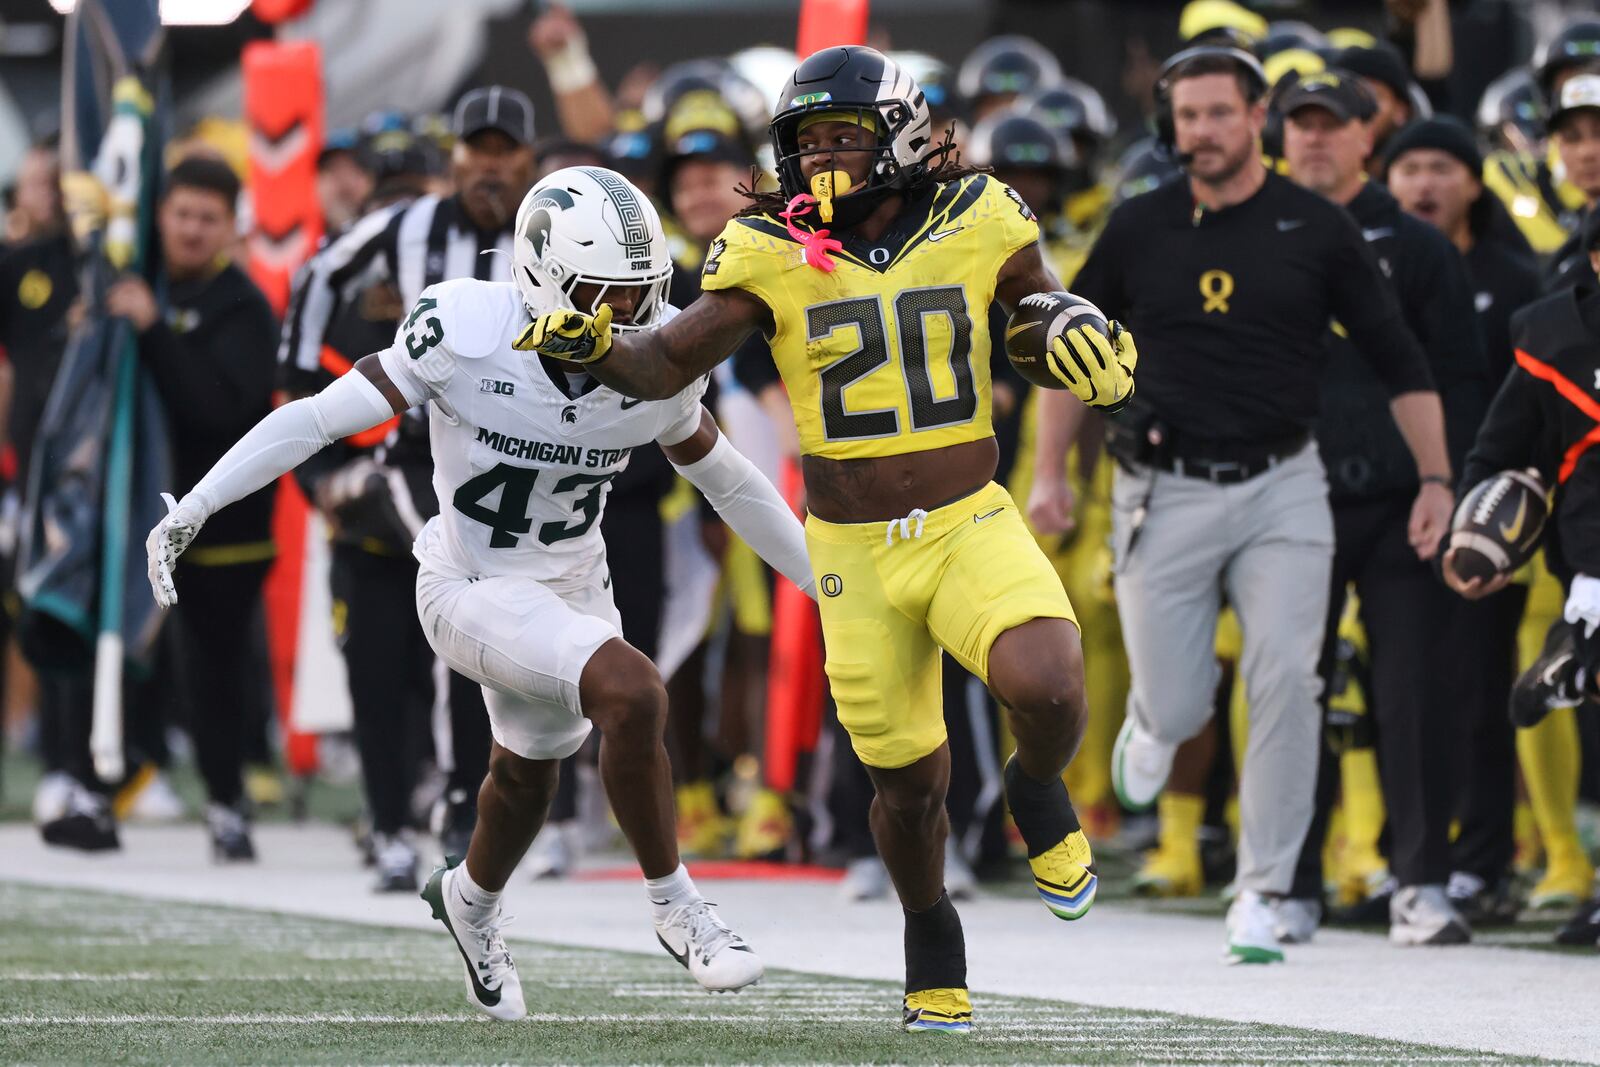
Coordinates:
x,y
1038,320
1497,525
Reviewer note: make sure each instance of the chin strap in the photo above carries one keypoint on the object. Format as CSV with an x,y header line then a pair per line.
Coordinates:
x,y
815,245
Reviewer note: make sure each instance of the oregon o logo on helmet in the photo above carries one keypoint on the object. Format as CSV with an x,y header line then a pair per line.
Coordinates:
x,y
810,98
830,584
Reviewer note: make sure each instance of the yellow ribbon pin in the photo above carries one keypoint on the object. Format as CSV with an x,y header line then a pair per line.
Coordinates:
x,y
1216,286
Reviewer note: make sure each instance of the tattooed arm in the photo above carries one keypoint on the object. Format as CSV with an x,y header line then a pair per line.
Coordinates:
x,y
656,364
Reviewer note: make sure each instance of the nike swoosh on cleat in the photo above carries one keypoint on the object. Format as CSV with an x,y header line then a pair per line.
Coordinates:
x,y
681,957
485,995
659,903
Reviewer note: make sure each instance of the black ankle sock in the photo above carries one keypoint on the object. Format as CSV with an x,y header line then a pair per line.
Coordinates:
x,y
1042,810
936,951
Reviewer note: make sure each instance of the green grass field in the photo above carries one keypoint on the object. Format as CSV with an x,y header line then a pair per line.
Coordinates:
x,y
101,978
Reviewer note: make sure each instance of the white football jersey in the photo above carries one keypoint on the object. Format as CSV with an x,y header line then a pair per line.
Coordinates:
x,y
522,459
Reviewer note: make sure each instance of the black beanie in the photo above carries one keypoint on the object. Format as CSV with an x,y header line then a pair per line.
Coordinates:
x,y
1446,133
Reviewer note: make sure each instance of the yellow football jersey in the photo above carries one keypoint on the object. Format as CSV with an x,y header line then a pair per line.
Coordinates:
x,y
889,352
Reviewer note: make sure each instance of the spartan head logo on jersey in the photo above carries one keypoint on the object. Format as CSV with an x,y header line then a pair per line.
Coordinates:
x,y
590,227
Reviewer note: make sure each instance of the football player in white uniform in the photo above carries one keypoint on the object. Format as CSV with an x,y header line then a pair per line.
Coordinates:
x,y
513,589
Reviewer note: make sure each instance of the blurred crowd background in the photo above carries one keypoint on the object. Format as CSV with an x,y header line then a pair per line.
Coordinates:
x,y
1055,96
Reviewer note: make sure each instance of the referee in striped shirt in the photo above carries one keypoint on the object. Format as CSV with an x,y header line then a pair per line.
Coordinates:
x,y
428,240
403,248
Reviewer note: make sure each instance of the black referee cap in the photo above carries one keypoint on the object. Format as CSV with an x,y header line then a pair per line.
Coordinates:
x,y
494,107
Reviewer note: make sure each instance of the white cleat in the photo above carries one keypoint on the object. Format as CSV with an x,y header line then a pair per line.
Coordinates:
x,y
1424,915
1251,937
1140,764
864,879
717,958
1296,920
492,982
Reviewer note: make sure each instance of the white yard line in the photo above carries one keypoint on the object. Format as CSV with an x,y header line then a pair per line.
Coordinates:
x,y
1479,998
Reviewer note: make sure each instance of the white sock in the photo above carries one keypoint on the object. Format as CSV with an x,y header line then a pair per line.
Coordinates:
x,y
667,894
468,899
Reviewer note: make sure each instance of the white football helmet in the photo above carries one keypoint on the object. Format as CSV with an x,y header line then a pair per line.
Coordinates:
x,y
589,225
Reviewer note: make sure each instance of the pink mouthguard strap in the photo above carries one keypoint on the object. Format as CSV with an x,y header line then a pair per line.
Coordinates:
x,y
816,245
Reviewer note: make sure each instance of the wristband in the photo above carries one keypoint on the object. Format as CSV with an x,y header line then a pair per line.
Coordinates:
x,y
571,68
1436,479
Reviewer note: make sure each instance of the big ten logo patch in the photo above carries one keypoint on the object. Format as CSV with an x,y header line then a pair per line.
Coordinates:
x,y
1216,286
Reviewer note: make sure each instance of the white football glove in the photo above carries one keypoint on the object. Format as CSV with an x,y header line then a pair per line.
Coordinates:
x,y
1583,604
166,543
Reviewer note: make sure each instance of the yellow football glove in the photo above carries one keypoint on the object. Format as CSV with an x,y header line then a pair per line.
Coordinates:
x,y
568,335
1098,371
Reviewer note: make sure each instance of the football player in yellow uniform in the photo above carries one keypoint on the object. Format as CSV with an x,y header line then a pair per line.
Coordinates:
x,y
871,274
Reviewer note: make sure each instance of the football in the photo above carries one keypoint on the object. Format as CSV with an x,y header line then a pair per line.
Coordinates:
x,y
1497,525
1039,318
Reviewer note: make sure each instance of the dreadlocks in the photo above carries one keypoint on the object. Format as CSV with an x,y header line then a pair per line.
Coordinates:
x,y
943,165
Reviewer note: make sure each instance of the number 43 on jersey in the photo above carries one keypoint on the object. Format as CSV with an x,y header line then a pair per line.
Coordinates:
x,y
510,519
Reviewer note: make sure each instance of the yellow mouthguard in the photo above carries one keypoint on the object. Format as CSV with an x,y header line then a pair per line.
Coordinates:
x,y
825,187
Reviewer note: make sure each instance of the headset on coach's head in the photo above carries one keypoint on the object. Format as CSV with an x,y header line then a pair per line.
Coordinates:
x,y
1249,66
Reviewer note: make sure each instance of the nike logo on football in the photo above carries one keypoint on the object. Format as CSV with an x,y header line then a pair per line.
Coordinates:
x,y
939,235
988,514
1285,225
1012,331
631,401
1511,530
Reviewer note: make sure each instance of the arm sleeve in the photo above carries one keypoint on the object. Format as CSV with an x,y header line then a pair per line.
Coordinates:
x,y
1364,301
686,420
288,437
751,505
364,252
217,382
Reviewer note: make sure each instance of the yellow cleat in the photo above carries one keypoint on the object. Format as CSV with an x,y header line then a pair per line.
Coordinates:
x,y
263,785
1567,882
944,1011
764,828
1065,877
702,828
1170,872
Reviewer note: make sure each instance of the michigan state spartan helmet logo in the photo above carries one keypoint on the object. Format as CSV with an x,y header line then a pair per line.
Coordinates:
x,y
537,228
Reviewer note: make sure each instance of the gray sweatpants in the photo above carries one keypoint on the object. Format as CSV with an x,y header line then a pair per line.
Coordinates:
x,y
1267,544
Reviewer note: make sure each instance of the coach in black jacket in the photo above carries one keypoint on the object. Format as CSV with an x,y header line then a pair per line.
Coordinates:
x,y
209,347
1372,481
1434,168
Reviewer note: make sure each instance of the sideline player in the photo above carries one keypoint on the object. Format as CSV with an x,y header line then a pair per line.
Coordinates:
x,y
872,274
513,590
